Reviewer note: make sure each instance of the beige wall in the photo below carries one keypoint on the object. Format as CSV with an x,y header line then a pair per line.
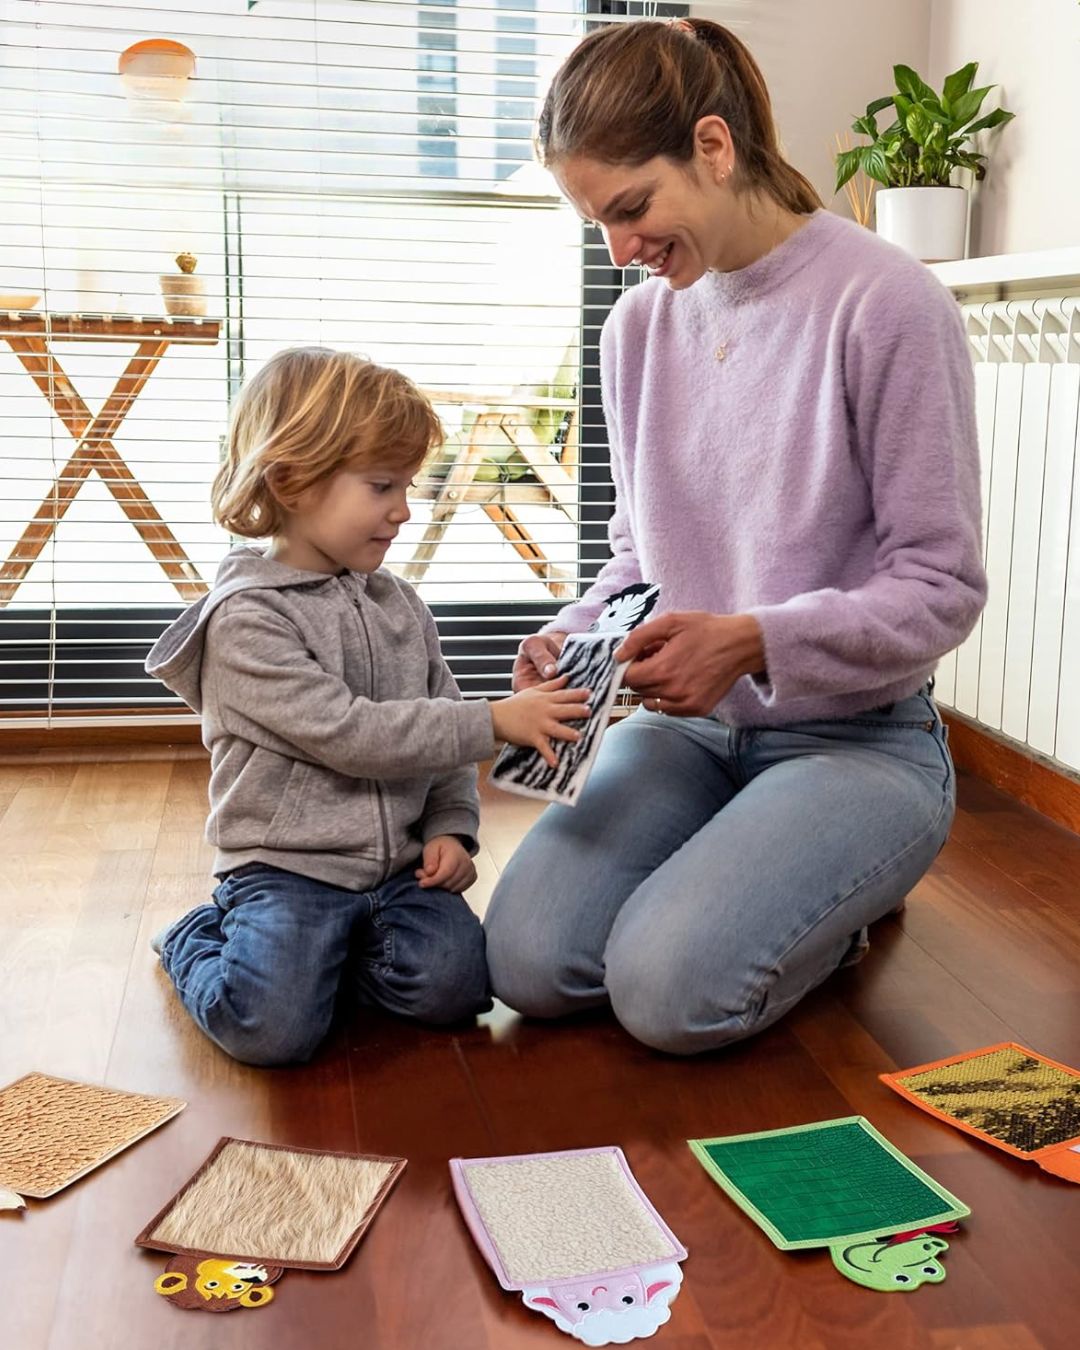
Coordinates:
x,y
1030,198
824,60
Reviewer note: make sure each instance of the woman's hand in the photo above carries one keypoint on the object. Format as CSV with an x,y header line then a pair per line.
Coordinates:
x,y
685,662
446,864
536,659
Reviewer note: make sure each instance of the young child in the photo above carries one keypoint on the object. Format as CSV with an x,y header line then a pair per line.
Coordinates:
x,y
343,798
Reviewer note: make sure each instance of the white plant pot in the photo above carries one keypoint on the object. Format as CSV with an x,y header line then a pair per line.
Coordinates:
x,y
930,222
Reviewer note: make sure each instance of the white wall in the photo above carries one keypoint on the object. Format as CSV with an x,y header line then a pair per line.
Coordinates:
x,y
824,60
1030,198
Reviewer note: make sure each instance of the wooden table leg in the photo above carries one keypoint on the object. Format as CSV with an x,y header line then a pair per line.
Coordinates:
x,y
526,547
494,428
153,531
559,483
94,450
40,529
451,495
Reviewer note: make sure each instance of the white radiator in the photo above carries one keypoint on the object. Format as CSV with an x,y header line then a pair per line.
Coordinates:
x,y
1019,671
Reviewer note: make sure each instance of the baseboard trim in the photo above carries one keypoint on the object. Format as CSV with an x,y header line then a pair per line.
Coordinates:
x,y
1047,788
21,740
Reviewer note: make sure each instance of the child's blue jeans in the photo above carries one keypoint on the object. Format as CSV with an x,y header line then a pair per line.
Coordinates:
x,y
260,970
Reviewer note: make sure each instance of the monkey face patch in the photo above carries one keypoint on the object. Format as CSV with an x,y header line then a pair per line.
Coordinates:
x,y
214,1284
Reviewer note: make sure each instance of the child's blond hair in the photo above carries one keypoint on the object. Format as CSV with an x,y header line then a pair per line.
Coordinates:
x,y
309,412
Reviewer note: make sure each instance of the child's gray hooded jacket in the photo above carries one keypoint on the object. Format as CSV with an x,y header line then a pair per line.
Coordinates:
x,y
338,739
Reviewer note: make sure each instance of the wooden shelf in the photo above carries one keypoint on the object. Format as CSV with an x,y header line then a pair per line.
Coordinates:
x,y
108,327
1003,275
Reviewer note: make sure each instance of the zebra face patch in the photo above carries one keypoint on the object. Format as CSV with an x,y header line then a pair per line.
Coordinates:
x,y
589,660
627,608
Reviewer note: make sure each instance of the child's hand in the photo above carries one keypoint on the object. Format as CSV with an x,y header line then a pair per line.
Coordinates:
x,y
446,865
539,713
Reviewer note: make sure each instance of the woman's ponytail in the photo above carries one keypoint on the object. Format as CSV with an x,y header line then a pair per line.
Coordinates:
x,y
630,92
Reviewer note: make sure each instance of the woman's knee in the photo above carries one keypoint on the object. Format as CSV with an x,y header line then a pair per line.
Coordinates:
x,y
673,1000
528,980
530,963
671,1005
675,1031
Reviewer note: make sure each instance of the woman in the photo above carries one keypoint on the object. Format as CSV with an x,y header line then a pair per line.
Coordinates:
x,y
791,415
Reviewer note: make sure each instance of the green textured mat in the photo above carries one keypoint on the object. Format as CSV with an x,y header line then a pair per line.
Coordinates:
x,y
826,1183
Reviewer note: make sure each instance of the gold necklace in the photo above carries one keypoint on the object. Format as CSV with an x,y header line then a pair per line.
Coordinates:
x,y
720,352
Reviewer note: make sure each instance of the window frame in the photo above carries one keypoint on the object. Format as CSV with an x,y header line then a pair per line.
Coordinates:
x,y
105,644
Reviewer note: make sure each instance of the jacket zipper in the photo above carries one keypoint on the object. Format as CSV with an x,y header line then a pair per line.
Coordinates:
x,y
384,825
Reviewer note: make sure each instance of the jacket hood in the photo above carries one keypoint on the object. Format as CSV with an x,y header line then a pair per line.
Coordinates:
x,y
176,658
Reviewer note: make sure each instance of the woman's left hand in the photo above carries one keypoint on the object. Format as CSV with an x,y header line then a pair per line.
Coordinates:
x,y
685,662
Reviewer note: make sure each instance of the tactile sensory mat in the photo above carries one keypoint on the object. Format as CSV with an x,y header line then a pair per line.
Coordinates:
x,y
53,1130
589,661
837,1184
1007,1096
574,1232
271,1204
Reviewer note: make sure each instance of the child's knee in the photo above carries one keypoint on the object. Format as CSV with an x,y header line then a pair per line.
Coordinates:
x,y
260,1033
268,1046
454,985
463,991
444,1007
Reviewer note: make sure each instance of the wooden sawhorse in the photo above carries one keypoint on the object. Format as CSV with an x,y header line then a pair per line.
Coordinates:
x,y
503,424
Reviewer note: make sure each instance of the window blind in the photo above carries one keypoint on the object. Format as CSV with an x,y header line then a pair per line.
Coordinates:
x,y
352,173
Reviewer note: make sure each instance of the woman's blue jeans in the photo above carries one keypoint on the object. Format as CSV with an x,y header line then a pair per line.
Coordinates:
x,y
261,969
710,876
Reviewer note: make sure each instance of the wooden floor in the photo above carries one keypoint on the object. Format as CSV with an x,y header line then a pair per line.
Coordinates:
x,y
98,855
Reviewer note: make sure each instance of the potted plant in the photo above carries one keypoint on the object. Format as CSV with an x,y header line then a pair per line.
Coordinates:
x,y
913,160
183,292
